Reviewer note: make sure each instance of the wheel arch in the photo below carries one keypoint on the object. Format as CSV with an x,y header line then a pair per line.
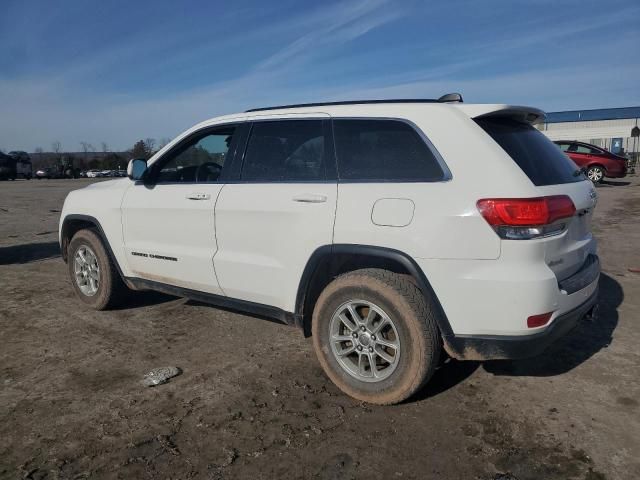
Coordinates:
x,y
329,261
597,163
72,224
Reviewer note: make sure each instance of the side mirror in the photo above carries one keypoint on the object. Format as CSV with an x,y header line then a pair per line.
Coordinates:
x,y
136,168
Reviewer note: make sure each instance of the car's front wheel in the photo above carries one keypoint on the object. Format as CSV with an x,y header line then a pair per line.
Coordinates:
x,y
595,173
375,335
93,273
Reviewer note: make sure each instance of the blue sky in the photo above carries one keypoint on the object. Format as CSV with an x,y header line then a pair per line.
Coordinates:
x,y
117,71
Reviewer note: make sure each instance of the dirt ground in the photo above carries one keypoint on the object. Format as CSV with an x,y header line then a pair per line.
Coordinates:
x,y
252,401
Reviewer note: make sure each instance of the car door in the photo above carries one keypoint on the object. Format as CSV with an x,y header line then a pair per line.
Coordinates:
x,y
278,212
168,220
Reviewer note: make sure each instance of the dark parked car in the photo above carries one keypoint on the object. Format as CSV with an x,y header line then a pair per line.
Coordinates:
x,y
24,168
596,161
7,167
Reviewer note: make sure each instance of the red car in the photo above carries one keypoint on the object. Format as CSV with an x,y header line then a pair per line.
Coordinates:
x,y
597,162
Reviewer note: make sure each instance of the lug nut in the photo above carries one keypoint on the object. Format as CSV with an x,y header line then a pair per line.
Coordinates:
x,y
354,335
371,349
373,337
359,348
362,328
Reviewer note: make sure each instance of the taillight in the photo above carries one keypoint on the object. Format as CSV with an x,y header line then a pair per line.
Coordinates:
x,y
526,218
538,320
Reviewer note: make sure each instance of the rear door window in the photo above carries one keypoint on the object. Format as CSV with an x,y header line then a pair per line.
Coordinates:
x,y
285,151
538,157
383,150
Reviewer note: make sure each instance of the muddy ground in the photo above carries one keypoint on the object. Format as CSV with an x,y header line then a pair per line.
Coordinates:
x,y
252,401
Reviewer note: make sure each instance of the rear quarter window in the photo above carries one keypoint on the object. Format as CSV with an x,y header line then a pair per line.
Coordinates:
x,y
537,156
383,150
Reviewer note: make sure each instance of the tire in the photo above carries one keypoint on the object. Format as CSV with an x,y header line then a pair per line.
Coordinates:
x,y
110,289
595,173
410,324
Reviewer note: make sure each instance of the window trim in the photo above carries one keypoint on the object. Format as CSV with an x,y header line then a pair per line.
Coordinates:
x,y
204,131
446,172
330,169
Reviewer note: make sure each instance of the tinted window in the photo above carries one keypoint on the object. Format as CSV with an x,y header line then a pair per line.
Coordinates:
x,y
583,149
563,146
285,150
199,159
534,153
383,150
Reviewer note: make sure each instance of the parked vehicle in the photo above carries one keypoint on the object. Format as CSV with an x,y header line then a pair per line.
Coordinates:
x,y
46,172
93,173
7,167
362,223
23,164
597,162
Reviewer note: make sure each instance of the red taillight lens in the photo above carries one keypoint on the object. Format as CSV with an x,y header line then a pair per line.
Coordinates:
x,y
538,320
526,211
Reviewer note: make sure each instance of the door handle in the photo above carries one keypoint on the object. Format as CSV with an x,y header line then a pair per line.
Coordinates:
x,y
198,196
310,198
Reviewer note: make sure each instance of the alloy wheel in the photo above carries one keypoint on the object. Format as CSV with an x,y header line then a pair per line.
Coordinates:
x,y
364,340
87,270
595,174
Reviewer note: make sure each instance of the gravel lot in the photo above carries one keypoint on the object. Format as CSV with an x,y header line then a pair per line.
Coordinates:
x,y
252,401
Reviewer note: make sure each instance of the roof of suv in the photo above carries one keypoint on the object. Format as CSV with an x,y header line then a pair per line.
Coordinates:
x,y
378,108
518,112
527,114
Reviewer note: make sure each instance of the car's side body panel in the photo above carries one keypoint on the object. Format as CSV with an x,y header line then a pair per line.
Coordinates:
x,y
265,238
102,201
169,234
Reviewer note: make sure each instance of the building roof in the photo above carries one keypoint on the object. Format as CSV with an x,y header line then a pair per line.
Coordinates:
x,y
597,114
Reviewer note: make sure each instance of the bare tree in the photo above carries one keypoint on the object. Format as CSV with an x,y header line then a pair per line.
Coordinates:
x,y
163,142
85,149
105,147
39,151
56,147
149,143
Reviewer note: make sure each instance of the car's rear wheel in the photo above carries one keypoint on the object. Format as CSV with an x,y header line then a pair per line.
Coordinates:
x,y
93,273
375,335
595,173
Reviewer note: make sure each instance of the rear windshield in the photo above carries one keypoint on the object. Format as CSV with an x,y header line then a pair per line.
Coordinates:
x,y
538,157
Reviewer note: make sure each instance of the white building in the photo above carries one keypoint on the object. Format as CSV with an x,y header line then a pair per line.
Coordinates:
x,y
616,129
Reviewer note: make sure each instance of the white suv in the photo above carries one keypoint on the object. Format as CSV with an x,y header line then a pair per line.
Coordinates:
x,y
390,231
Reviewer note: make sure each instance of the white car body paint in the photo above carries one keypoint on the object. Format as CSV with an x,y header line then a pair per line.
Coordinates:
x,y
252,241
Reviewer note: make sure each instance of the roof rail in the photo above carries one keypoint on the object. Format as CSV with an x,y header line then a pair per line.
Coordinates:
x,y
450,97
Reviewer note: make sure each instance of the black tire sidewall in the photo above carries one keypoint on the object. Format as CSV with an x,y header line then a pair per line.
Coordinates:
x,y
90,239
412,345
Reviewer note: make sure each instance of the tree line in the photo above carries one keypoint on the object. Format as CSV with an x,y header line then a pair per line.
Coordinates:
x,y
91,158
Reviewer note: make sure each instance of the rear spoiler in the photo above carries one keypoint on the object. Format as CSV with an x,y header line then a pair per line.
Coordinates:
x,y
514,112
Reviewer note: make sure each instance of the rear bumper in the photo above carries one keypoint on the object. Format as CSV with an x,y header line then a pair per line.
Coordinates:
x,y
616,172
490,347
